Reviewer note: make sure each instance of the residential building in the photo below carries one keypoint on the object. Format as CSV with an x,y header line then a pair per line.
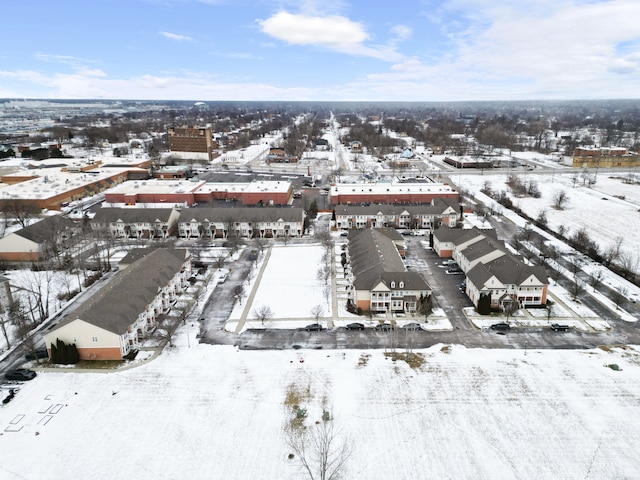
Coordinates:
x,y
506,279
445,239
38,241
441,211
248,222
381,281
112,323
191,143
138,223
491,269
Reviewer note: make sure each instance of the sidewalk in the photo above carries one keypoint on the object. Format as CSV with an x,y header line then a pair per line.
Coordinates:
x,y
249,301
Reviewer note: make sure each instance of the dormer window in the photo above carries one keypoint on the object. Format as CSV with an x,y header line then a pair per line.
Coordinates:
x,y
401,284
393,284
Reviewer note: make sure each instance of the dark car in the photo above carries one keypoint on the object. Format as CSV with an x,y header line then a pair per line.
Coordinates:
x,y
384,327
454,271
500,326
38,353
355,326
412,326
559,327
314,327
20,374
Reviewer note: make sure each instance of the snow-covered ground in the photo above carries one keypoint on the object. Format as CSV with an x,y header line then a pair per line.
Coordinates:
x,y
598,208
202,411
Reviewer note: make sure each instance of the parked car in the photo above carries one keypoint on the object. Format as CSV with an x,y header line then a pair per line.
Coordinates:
x,y
314,327
454,271
355,326
448,262
384,327
412,326
222,278
559,327
40,352
20,374
502,326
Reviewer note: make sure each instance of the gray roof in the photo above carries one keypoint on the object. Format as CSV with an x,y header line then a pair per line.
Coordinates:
x,y
482,247
436,207
118,304
248,214
459,235
131,215
508,270
42,231
374,258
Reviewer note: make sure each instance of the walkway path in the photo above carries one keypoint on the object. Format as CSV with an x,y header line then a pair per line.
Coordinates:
x,y
249,300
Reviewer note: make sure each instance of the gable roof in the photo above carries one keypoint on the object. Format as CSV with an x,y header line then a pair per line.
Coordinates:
x,y
117,305
131,215
247,214
437,207
459,235
481,248
508,270
375,258
42,231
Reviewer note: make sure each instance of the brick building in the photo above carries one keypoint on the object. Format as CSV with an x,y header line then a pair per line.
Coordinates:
x,y
191,143
596,157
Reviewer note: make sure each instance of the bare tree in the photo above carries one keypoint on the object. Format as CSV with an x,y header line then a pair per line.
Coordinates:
x,y
612,253
316,312
596,279
319,449
4,320
560,200
260,243
619,297
263,313
576,287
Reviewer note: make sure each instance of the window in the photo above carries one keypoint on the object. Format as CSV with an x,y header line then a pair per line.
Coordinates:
x,y
393,284
94,339
401,284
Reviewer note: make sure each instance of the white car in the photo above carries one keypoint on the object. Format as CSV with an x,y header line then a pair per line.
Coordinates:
x,y
222,278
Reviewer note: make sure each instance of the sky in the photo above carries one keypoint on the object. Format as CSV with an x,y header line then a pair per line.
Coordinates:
x,y
321,50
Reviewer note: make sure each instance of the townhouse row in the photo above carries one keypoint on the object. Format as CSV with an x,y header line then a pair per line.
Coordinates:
x,y
491,269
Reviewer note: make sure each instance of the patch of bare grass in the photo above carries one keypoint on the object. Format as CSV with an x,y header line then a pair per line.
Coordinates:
x,y
414,360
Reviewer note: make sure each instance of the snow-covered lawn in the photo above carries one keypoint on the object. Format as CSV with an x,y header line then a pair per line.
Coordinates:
x,y
209,412
596,209
289,285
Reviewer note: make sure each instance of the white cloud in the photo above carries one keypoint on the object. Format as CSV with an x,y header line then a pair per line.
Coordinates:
x,y
401,32
307,30
175,36
334,32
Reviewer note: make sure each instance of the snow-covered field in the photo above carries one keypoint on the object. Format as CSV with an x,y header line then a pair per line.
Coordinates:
x,y
209,412
290,286
597,209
